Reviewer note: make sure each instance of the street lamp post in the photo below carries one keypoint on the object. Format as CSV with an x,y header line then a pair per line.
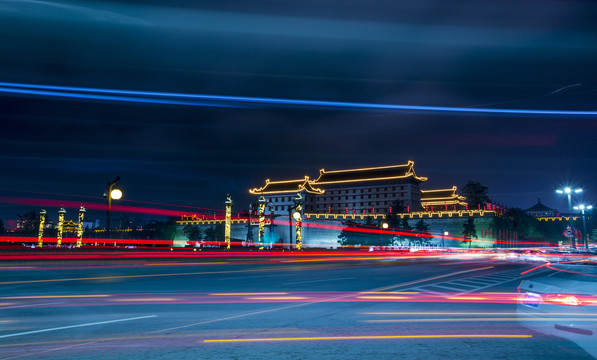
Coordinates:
x,y
582,208
444,234
384,226
568,191
111,193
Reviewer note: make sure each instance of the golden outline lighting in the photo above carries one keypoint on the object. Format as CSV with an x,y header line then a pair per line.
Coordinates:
x,y
378,337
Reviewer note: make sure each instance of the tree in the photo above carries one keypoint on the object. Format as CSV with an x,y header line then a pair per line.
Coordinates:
x,y
192,232
476,194
422,237
469,230
215,233
357,234
166,230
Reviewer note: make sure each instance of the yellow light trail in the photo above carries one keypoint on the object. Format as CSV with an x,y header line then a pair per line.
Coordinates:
x,y
474,313
149,337
477,319
249,294
277,298
53,296
143,299
377,337
465,298
188,263
130,276
383,297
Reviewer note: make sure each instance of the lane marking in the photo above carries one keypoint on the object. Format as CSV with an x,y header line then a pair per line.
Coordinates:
x,y
132,276
204,333
47,351
306,303
75,326
374,338
31,305
251,277
321,280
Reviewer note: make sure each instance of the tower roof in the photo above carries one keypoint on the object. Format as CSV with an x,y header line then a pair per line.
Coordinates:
x,y
287,186
540,207
368,174
442,197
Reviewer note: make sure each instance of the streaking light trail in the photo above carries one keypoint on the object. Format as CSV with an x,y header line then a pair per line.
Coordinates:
x,y
378,337
170,98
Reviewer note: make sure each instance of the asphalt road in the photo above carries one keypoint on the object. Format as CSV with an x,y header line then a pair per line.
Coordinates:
x,y
247,307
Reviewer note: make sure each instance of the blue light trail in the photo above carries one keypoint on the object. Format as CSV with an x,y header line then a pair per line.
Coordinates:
x,y
245,101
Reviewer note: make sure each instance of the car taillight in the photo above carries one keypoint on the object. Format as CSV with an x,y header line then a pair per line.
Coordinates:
x,y
563,299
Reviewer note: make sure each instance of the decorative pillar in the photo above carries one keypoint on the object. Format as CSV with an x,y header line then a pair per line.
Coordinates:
x,y
261,215
61,213
298,217
80,227
42,221
228,204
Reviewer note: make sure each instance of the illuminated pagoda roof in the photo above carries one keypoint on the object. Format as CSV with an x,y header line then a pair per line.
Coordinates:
x,y
442,197
539,207
287,186
393,172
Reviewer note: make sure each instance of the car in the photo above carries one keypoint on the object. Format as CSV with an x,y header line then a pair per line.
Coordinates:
x,y
562,303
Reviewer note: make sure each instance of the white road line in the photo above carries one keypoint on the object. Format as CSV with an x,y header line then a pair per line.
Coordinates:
x,y
447,287
251,277
32,305
75,326
321,280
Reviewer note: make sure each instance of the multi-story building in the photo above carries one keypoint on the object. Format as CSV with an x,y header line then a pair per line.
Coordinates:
x,y
369,190
442,199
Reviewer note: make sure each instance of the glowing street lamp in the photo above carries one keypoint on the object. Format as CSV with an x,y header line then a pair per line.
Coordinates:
x,y
582,208
112,193
568,191
384,225
444,234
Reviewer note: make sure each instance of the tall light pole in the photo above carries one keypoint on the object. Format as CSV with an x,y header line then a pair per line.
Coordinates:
x,y
444,234
582,208
568,191
111,193
384,226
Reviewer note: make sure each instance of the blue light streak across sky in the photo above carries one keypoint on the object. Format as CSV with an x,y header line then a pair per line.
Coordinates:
x,y
245,101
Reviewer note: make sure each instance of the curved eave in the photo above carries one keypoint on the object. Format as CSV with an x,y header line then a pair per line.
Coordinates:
x,y
445,198
372,179
448,202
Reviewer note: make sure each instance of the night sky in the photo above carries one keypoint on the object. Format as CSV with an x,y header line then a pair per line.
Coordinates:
x,y
539,55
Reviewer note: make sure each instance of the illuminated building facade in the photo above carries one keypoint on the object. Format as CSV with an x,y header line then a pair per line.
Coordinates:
x,y
279,195
371,190
442,199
